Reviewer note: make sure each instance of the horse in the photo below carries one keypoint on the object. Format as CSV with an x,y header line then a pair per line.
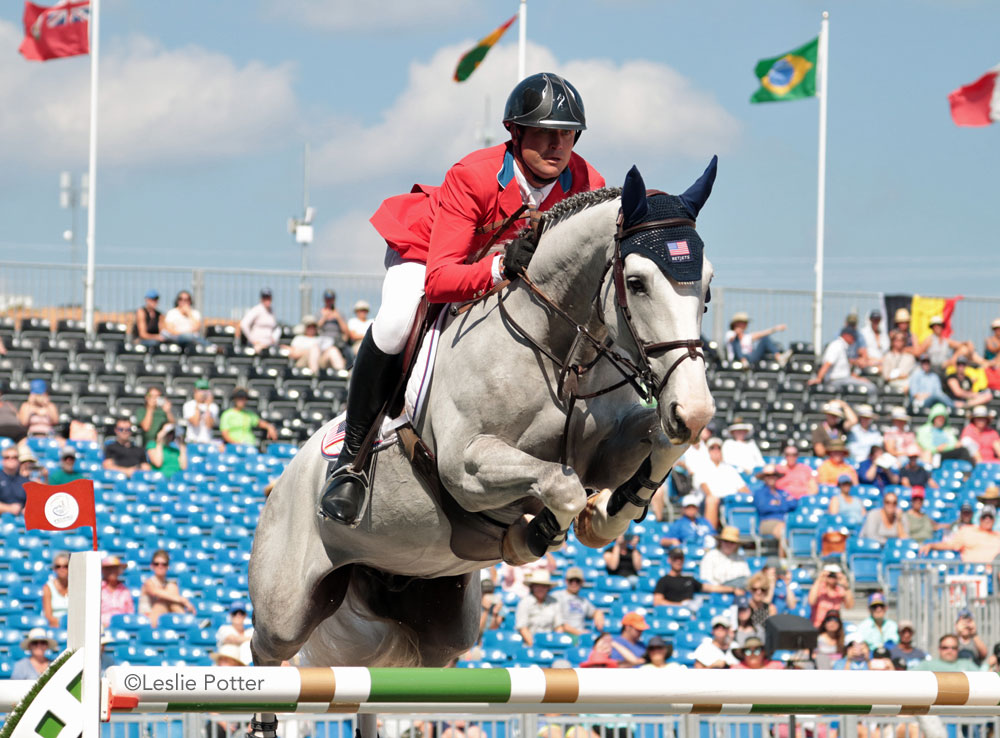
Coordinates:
x,y
586,374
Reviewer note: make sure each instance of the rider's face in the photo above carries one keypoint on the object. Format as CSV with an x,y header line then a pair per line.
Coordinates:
x,y
545,151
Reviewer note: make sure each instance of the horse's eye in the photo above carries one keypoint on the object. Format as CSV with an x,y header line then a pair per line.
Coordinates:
x,y
636,286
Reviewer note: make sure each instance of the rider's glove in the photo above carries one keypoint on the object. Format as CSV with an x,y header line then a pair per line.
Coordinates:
x,y
517,258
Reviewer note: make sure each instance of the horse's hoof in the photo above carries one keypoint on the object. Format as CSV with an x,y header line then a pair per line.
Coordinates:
x,y
583,525
514,546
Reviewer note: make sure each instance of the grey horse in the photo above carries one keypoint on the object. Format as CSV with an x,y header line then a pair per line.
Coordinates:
x,y
509,438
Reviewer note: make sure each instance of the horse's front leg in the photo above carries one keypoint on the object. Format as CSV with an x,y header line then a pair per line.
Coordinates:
x,y
494,474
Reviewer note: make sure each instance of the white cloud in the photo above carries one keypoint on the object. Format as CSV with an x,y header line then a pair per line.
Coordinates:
x,y
342,15
156,104
636,111
348,244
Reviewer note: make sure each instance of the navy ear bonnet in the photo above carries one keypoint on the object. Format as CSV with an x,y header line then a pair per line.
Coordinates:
x,y
677,249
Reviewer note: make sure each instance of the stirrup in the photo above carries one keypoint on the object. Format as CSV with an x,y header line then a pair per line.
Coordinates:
x,y
262,728
361,479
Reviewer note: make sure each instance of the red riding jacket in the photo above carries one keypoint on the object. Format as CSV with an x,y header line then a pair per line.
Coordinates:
x,y
444,226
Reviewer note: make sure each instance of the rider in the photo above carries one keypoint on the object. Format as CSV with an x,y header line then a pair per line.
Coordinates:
x,y
434,232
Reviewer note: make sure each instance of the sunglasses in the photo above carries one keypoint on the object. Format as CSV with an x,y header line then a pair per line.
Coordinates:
x,y
758,589
123,429
578,581
877,607
60,566
10,457
948,648
753,651
160,563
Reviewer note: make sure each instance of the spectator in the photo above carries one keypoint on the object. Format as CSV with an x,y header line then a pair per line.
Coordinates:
x,y
920,524
155,413
838,420
830,641
773,506
228,655
947,658
29,468
37,643
940,349
937,437
334,328
797,479
898,438
875,338
898,363
601,655
752,655
991,349
12,496
740,452
66,471
717,480
149,321
690,527
160,595
358,325
182,324
683,473
576,610
168,453
881,660
831,591
237,424
723,569
538,612
512,578
855,656
10,424
863,435
901,323
750,347
913,474
622,558
970,645
744,622
309,349
760,608
714,652
877,469
982,434
675,587
55,593
627,647
835,466
965,512
201,413
259,327
835,367
38,413
888,521
116,599
492,614
658,653
236,633
964,387
925,386
877,630
905,650
121,454
781,589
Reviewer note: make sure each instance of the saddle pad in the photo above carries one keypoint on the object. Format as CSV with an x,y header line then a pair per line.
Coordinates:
x,y
420,378
333,438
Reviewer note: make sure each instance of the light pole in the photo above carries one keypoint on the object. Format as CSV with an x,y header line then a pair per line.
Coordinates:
x,y
71,198
302,229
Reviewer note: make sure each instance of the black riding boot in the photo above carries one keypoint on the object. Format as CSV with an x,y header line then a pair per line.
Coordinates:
x,y
371,382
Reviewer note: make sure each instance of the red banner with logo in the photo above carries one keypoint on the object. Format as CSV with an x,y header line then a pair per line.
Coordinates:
x,y
60,506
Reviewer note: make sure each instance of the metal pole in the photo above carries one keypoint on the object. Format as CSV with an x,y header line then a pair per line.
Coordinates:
x,y
88,288
822,65
522,40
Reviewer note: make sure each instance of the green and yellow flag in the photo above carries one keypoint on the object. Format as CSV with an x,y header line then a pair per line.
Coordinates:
x,y
474,57
790,76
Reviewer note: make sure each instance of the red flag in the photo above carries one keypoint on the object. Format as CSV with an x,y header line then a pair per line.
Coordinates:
x,y
948,311
60,506
50,33
977,104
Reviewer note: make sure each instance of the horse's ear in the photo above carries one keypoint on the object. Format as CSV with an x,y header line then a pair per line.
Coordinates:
x,y
697,194
634,197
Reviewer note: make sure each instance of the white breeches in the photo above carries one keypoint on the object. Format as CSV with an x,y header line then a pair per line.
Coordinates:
x,y
401,292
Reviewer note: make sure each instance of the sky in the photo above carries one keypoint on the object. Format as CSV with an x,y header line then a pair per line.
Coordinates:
x,y
206,107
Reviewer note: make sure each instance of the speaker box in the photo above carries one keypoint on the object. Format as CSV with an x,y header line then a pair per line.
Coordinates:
x,y
789,633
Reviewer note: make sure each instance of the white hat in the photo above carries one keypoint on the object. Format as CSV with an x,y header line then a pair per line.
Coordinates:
x,y
39,634
229,650
831,408
362,305
832,569
539,576
936,320
687,500
866,411
898,413
722,620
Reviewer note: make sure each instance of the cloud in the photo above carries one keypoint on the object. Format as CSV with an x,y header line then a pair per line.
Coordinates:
x,y
156,105
343,15
636,110
348,244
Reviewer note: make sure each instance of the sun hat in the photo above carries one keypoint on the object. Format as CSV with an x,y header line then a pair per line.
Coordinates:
x,y
713,441
990,494
739,317
112,562
902,315
599,660
38,634
636,620
38,386
866,411
729,533
721,620
690,501
362,305
229,650
837,444
26,454
995,323
309,320
936,320
750,643
740,424
899,413
876,598
769,470
831,408
832,569
981,411
851,319
906,624
912,449
575,572
539,576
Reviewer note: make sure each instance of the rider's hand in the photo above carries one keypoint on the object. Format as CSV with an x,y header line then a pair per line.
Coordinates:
x,y
517,258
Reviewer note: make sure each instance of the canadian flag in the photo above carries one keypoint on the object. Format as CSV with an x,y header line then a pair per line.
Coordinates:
x,y
977,104
60,506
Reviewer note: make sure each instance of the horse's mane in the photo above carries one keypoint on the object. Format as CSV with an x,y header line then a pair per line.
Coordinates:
x,y
575,204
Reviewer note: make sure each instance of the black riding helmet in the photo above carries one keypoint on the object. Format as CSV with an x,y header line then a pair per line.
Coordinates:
x,y
545,100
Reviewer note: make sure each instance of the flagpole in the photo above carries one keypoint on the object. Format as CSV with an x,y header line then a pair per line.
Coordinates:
x,y
821,80
88,300
522,40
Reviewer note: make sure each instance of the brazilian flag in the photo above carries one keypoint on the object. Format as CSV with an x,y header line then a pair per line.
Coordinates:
x,y
790,76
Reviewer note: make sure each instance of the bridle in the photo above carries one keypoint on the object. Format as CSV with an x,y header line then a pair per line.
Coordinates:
x,y
639,375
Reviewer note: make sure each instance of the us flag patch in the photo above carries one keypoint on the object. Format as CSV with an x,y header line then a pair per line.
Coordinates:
x,y
679,249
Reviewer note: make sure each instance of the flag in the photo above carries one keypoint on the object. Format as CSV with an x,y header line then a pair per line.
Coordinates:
x,y
977,104
921,310
790,76
474,57
51,33
60,506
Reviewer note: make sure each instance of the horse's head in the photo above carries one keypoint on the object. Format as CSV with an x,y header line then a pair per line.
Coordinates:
x,y
654,303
